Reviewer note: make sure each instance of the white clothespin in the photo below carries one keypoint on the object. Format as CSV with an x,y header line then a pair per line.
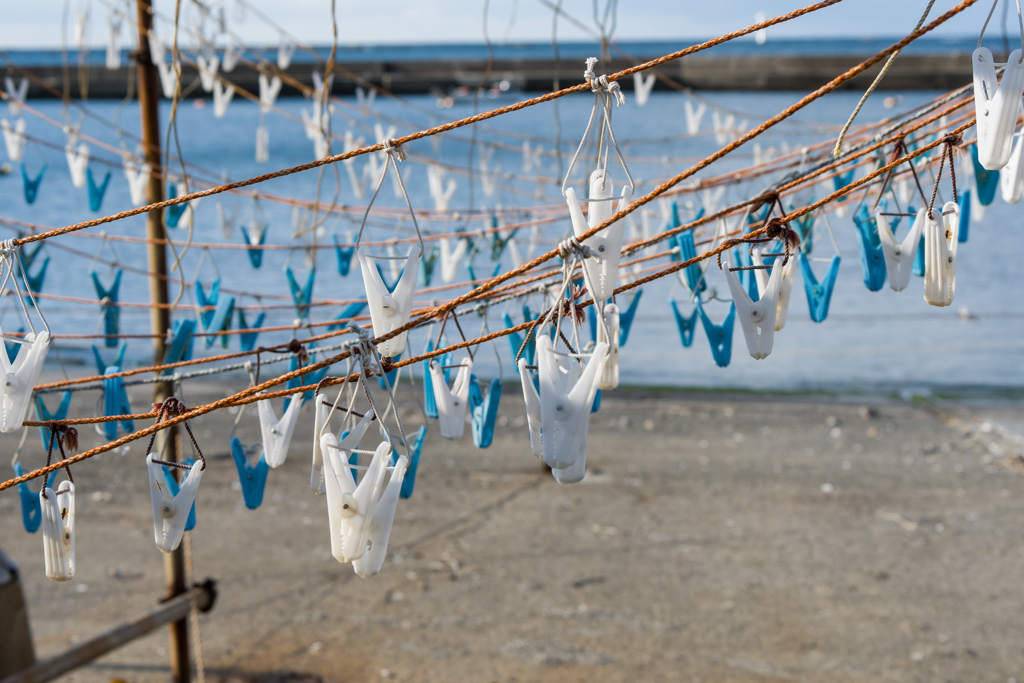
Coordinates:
x,y
231,54
606,246
21,376
15,95
533,416
350,508
712,198
114,42
609,377
380,526
642,87
488,177
441,193
351,144
277,433
319,92
222,95
996,106
531,156
284,55
170,513
78,163
899,256
138,180
14,138
723,126
350,442
941,232
390,310
451,402
365,98
1011,178
168,77
58,527
785,285
207,66
313,120
566,396
262,144
694,116
450,258
757,318
269,90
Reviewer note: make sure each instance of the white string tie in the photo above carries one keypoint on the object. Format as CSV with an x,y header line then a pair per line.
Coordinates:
x,y
572,246
394,149
364,348
613,89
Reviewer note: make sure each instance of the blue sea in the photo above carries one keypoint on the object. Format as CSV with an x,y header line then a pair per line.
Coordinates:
x,y
871,341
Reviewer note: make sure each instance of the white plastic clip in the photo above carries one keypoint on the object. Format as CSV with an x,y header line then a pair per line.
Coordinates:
x,y
20,377
451,402
642,87
566,396
1011,178
380,526
940,239
78,163
390,310
757,318
899,256
533,418
15,95
439,191
996,105
222,95
207,67
323,412
59,531
350,508
269,89
138,180
277,434
609,378
284,55
170,513
14,139
606,245
262,145
450,258
785,286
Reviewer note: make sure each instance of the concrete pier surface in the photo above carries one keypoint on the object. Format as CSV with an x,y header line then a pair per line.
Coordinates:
x,y
716,537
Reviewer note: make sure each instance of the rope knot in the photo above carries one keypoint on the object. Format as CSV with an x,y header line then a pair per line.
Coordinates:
x,y
394,149
364,347
387,364
296,347
589,76
613,88
572,246
776,228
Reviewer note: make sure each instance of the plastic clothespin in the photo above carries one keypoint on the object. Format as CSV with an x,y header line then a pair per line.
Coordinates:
x,y
472,273
207,66
58,524
172,486
996,105
687,325
277,433
219,319
21,375
247,340
269,89
382,521
14,139
392,309
483,410
175,211
108,305
642,87
96,192
719,336
170,511
450,258
785,285
603,266
409,481
516,339
691,276
533,417
1011,178
302,296
872,258
349,441
427,267
115,397
78,163
31,185
986,181
440,192
44,415
255,236
138,180
284,55
940,242
252,475
899,256
350,508
626,317
344,255
819,295
346,314
757,318
965,215
15,95
429,402
180,346
31,502
453,401
608,378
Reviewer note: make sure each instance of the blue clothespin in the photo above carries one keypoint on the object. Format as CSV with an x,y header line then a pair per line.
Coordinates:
x,y
390,285
805,229
484,410
499,243
626,318
248,339
255,249
172,486
302,296
390,375
44,415
429,402
175,211
31,184
818,294
414,463
965,215
310,380
919,260
516,339
687,326
28,254
344,255
96,192
426,271
252,477
207,302
111,311
743,258
219,319
14,347
472,275
31,509
872,260
720,336
180,346
346,314
841,180
687,250
115,397
35,282
986,181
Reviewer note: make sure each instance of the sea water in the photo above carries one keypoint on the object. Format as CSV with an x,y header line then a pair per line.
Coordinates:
x,y
882,340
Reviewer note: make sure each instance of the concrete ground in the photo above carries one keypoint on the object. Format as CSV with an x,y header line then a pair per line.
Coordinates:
x,y
715,538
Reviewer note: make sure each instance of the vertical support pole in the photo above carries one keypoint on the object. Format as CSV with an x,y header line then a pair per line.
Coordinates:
x,y
149,110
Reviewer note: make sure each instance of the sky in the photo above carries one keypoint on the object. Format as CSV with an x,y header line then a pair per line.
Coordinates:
x,y
37,23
